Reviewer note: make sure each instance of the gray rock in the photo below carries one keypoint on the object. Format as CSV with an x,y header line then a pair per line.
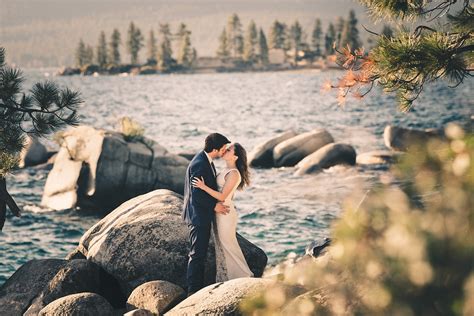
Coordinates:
x,y
139,312
293,150
145,239
326,157
188,155
34,153
17,293
100,169
75,277
225,298
262,155
68,71
377,157
318,247
155,296
400,139
81,304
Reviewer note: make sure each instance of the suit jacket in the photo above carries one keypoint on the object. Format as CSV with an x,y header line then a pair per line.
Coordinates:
x,y
198,206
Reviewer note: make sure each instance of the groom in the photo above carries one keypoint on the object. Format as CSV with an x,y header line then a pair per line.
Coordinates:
x,y
199,207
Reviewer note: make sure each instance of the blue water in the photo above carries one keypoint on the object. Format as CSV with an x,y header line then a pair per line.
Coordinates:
x,y
280,212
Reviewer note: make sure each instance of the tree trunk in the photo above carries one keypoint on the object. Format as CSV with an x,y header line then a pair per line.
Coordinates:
x,y
6,199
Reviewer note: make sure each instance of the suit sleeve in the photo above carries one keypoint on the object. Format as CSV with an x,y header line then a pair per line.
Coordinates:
x,y
201,198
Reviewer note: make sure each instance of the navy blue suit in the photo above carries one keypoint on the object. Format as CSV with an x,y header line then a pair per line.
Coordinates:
x,y
198,213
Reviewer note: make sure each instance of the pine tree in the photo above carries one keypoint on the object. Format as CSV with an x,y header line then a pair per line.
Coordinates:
x,y
182,31
89,55
114,52
185,57
262,48
102,50
339,29
152,48
223,51
165,52
316,37
250,45
234,36
350,34
278,35
329,40
134,42
407,61
80,54
45,110
295,40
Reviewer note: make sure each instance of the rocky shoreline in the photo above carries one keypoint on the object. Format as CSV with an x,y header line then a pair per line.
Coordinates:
x,y
133,261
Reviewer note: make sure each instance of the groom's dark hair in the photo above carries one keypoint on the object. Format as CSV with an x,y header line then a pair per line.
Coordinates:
x,y
215,141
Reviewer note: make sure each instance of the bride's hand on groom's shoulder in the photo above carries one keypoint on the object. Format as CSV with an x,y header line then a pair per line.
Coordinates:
x,y
198,183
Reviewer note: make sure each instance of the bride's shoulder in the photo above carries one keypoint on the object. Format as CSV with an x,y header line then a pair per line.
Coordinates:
x,y
232,171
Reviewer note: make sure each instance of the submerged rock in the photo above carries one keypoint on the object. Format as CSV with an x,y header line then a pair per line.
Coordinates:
x,y
327,156
377,157
100,169
225,298
262,155
145,239
291,151
81,304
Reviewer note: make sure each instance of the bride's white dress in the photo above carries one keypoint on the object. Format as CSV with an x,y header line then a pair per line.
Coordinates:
x,y
230,261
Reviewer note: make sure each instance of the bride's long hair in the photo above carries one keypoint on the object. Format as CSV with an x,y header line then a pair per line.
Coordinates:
x,y
242,165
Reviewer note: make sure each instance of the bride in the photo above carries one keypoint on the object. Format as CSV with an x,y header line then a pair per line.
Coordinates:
x,y
230,261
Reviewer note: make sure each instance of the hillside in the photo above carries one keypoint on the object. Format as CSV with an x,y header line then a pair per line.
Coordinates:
x,y
39,33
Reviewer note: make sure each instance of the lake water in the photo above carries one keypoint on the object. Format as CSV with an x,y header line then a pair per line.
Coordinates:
x,y
280,212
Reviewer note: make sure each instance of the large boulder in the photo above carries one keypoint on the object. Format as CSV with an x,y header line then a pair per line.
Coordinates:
x,y
328,156
262,155
39,282
100,169
34,153
293,150
145,239
156,297
400,139
225,298
81,304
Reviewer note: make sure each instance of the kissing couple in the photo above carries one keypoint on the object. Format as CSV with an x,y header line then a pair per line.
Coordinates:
x,y
208,205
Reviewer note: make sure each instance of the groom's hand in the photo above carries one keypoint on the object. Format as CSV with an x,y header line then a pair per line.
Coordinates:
x,y
221,208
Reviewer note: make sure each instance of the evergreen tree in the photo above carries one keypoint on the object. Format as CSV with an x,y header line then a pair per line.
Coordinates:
x,y
250,45
262,48
350,34
89,56
409,60
316,37
234,36
80,54
134,42
186,52
102,50
165,52
339,29
295,40
223,51
278,35
43,111
152,48
114,52
182,31
329,40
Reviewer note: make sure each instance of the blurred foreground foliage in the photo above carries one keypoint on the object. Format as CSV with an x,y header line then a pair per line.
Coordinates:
x,y
407,250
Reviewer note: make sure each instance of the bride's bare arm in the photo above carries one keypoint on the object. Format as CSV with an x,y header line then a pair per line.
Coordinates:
x,y
230,181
